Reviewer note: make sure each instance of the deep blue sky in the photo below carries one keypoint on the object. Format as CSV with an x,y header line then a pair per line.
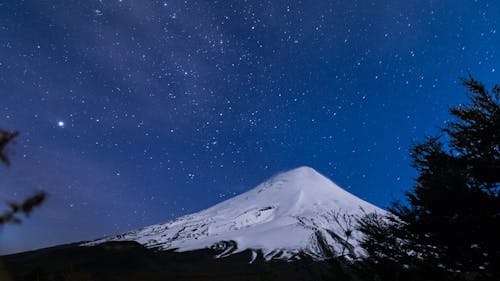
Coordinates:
x,y
134,112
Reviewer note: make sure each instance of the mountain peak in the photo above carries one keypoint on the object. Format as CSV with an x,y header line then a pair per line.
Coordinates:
x,y
301,172
301,202
306,180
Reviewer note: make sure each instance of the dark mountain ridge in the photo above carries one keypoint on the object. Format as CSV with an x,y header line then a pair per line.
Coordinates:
x,y
123,261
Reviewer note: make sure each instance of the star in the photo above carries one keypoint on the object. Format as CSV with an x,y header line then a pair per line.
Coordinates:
x,y
60,124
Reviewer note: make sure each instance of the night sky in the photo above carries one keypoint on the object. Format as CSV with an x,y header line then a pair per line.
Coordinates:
x,y
134,112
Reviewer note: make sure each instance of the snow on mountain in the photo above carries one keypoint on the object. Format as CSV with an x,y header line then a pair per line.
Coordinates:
x,y
293,213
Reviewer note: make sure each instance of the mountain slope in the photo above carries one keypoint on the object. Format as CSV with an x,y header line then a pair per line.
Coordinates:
x,y
296,212
130,261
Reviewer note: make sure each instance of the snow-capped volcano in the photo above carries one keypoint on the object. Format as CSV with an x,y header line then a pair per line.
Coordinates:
x,y
296,212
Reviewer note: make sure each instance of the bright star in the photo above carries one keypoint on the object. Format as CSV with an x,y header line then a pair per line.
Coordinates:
x,y
60,124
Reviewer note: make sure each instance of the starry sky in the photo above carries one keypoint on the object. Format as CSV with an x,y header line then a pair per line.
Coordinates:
x,y
134,112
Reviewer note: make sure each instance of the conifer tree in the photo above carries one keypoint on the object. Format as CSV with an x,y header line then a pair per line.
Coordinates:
x,y
11,215
449,228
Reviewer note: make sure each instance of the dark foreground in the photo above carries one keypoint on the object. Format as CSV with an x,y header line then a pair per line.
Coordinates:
x,y
123,261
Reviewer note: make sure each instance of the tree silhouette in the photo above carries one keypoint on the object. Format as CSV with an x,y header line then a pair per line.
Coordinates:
x,y
6,137
14,209
449,228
